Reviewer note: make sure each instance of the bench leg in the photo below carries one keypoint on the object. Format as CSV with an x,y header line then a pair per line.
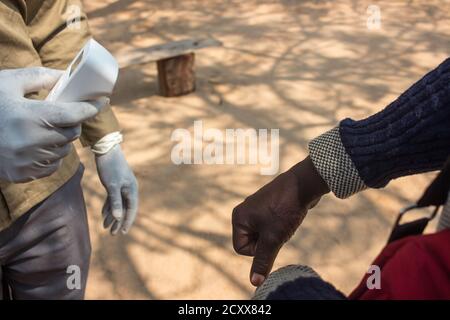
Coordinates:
x,y
176,75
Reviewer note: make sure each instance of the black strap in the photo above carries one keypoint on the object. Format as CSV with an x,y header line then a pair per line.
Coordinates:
x,y
435,195
412,228
437,192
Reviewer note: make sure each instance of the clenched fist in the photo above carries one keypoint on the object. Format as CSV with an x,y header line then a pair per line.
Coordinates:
x,y
269,217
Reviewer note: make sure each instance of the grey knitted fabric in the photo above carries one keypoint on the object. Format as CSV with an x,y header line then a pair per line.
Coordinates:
x,y
334,164
282,276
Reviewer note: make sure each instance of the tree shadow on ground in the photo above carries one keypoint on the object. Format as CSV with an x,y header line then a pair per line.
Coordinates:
x,y
315,59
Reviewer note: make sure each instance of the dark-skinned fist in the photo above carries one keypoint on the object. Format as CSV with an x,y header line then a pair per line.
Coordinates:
x,y
269,217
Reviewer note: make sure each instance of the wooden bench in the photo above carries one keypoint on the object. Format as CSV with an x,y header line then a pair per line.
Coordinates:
x,y
175,62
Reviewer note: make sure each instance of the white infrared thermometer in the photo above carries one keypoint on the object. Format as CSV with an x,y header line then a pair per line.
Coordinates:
x,y
91,75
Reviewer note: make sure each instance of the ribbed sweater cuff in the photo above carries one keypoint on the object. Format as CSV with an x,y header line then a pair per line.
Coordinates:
x,y
334,165
411,135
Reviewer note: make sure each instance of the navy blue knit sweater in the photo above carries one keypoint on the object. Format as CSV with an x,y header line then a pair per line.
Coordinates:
x,y
411,135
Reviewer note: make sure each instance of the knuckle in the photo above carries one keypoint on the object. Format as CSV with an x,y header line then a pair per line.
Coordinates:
x,y
235,215
131,187
116,205
240,213
116,202
114,186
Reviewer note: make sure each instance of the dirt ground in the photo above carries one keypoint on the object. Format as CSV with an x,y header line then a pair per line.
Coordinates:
x,y
299,66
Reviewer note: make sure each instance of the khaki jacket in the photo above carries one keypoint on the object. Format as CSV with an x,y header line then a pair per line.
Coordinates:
x,y
36,33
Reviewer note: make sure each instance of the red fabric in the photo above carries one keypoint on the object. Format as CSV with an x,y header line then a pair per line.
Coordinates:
x,y
416,267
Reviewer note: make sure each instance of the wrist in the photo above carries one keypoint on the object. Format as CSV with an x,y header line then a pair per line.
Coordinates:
x,y
107,143
311,184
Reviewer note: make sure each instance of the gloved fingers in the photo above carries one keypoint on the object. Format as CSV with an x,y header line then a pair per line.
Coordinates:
x,y
108,219
266,252
106,209
60,152
29,174
131,199
115,202
48,155
46,137
44,164
27,80
59,136
69,114
48,144
116,227
38,171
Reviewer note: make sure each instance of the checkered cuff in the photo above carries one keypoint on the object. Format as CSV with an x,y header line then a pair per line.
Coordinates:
x,y
334,164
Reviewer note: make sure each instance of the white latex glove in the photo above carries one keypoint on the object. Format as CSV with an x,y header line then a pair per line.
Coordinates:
x,y
36,135
120,208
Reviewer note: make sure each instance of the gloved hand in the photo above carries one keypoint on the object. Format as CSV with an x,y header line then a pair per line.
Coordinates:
x,y
269,217
36,135
120,208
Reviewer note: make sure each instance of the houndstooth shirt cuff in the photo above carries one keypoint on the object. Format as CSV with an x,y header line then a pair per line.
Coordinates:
x,y
335,165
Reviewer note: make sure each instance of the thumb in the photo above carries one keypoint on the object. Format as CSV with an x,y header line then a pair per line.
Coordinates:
x,y
33,79
265,254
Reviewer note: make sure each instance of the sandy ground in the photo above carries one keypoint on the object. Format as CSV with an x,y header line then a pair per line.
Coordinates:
x,y
299,66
